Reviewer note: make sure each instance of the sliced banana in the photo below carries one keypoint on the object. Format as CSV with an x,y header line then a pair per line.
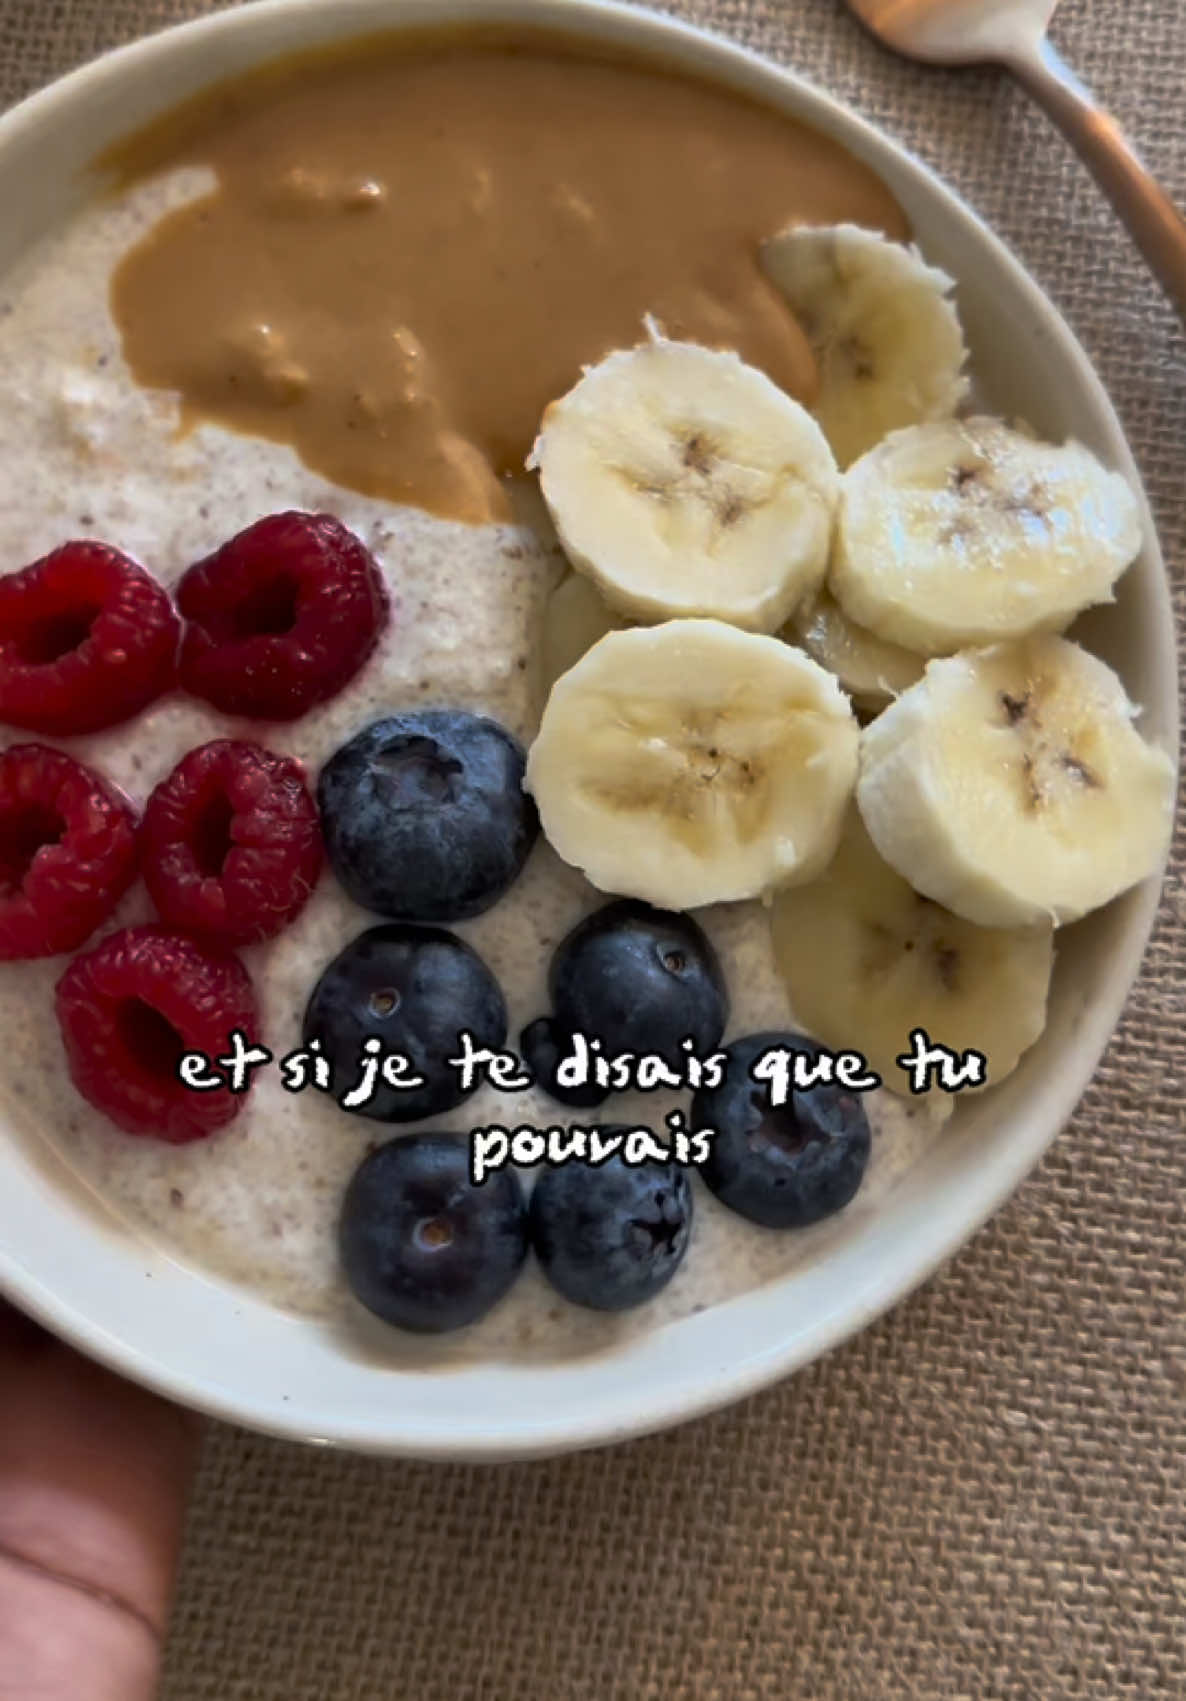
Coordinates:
x,y
1011,785
685,483
870,670
575,617
963,532
883,328
690,763
866,960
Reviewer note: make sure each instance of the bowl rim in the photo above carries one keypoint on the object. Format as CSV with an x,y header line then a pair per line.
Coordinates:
x,y
241,35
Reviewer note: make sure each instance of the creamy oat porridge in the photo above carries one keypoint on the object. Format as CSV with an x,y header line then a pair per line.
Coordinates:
x,y
99,382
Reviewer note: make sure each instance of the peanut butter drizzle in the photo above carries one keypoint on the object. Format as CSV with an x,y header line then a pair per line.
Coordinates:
x,y
411,250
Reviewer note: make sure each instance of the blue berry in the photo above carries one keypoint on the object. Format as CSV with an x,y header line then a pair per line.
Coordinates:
x,y
543,1045
421,1246
788,1166
424,815
639,979
414,989
611,1236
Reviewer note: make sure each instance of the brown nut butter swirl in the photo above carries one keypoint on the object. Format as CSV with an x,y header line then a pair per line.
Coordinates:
x,y
414,245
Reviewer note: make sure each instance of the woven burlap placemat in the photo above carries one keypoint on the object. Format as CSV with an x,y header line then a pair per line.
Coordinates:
x,y
983,1498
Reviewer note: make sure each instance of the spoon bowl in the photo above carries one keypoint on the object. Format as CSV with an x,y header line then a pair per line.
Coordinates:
x,y
955,32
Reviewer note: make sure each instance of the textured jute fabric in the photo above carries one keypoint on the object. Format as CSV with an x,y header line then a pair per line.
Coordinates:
x,y
983,1498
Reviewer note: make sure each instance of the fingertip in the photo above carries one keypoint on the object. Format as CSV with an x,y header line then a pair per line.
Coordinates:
x,y
18,1332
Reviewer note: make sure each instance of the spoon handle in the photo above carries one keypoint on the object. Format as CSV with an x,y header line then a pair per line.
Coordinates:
x,y
1155,223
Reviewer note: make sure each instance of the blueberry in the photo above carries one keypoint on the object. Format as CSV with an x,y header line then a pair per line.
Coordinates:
x,y
610,1236
424,815
414,989
639,979
421,1246
542,1044
783,1167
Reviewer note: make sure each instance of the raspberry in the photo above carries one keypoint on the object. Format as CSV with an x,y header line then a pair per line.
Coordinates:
x,y
281,617
130,1007
231,845
87,639
67,851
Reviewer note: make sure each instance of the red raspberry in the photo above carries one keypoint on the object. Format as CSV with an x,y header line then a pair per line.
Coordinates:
x,y
232,843
281,617
67,851
129,1009
87,639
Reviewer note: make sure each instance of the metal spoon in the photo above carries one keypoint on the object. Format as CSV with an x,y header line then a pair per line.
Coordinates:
x,y
1013,33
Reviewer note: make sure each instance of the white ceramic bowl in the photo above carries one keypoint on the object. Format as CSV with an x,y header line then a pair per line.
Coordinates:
x,y
217,1348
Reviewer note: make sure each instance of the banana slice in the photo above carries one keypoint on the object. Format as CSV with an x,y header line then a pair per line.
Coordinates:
x,y
1011,785
963,532
685,483
575,617
866,960
690,763
883,328
870,670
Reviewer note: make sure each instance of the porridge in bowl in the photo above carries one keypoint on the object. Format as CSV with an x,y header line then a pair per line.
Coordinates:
x,y
582,759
